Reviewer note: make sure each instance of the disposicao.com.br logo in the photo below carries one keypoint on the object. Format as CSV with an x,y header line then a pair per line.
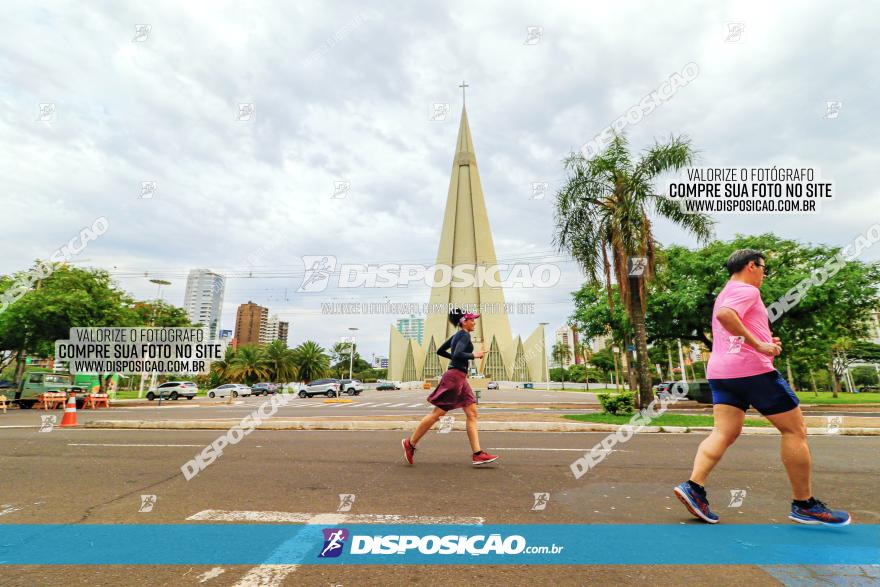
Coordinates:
x,y
452,544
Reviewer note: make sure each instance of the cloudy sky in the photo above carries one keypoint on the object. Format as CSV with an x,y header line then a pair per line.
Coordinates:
x,y
345,91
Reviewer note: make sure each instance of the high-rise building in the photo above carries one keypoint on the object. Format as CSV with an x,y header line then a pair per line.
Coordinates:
x,y
275,330
465,243
251,321
566,336
283,329
203,300
412,328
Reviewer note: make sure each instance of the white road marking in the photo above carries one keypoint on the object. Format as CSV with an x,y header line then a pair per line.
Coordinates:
x,y
8,509
418,405
215,572
271,575
397,405
362,405
382,404
341,518
266,576
136,445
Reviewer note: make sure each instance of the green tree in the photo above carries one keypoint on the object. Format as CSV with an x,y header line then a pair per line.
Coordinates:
x,y
310,360
560,353
220,369
249,365
159,314
67,297
604,361
279,361
687,281
602,220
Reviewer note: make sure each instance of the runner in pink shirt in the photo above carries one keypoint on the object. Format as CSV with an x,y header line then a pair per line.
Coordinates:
x,y
741,375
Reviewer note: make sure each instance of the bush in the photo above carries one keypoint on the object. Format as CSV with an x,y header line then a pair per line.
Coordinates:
x,y
617,404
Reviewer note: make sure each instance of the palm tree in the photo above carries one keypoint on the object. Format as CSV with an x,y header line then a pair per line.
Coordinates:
x,y
310,360
249,364
220,367
279,361
339,357
602,221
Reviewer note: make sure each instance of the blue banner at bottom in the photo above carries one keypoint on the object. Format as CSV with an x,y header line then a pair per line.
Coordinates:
x,y
369,544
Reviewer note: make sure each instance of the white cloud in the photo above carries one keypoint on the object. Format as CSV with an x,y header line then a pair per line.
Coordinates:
x,y
345,93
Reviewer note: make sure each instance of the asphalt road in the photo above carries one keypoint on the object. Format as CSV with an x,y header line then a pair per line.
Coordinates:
x,y
370,403
85,476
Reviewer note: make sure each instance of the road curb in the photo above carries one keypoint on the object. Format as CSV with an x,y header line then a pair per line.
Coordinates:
x,y
410,425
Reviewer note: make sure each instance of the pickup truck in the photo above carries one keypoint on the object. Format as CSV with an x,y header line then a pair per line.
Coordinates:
x,y
34,383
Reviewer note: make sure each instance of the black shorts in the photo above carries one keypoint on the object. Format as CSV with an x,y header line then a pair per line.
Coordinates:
x,y
768,393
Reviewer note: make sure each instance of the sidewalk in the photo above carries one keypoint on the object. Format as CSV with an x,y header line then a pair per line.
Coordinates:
x,y
499,422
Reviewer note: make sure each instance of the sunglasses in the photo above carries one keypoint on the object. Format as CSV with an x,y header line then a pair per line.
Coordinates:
x,y
765,268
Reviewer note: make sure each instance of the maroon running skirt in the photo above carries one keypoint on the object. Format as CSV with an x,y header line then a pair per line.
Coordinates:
x,y
453,391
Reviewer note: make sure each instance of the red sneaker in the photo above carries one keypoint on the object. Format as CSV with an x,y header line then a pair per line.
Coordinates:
x,y
484,458
409,450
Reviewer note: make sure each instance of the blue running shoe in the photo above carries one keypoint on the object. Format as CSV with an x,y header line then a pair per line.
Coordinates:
x,y
696,504
819,514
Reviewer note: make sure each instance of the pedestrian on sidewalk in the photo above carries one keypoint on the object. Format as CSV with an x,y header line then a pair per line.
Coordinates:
x,y
741,374
453,390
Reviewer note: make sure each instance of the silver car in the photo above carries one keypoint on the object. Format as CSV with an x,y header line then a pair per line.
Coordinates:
x,y
236,389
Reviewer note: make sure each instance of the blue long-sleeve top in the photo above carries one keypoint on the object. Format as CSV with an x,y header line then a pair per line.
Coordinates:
x,y
462,350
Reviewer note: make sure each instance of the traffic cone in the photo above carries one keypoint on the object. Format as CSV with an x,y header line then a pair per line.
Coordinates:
x,y
69,418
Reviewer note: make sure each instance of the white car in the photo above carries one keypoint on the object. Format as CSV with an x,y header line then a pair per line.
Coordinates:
x,y
236,389
351,386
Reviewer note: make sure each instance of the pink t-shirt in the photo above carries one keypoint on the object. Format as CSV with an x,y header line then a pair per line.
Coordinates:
x,y
731,356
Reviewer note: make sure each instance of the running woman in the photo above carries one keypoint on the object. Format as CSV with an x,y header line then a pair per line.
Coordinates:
x,y
741,374
453,391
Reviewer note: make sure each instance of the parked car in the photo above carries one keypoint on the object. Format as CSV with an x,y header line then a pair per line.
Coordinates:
x,y
328,387
266,388
528,386
351,386
385,385
869,388
174,390
236,389
492,385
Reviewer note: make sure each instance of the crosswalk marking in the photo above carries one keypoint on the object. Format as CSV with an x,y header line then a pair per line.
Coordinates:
x,y
397,405
417,406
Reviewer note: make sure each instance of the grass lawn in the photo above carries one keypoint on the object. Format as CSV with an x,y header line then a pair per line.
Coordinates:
x,y
664,420
824,397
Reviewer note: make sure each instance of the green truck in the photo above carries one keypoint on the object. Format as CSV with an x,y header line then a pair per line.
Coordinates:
x,y
36,382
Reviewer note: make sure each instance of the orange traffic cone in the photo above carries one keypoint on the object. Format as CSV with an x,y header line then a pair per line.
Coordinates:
x,y
69,418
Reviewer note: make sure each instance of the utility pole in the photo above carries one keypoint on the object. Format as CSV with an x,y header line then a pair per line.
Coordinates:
x,y
546,363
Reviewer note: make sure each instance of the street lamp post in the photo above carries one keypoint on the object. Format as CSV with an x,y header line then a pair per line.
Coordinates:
x,y
159,283
546,363
351,353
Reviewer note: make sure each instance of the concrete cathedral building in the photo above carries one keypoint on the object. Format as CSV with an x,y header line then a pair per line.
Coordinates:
x,y
466,239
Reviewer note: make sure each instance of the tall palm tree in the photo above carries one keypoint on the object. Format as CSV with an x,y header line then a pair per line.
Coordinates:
x,y
279,361
310,360
249,366
220,367
602,221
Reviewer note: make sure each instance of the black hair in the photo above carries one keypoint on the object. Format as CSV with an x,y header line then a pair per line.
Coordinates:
x,y
738,259
455,316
